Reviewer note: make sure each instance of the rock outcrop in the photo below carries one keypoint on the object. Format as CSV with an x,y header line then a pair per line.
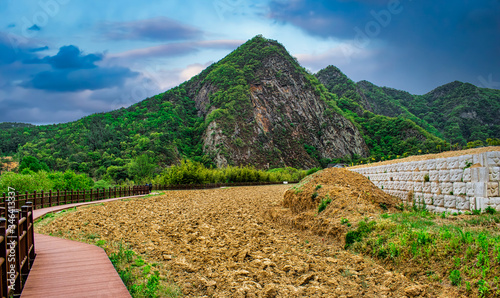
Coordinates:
x,y
286,119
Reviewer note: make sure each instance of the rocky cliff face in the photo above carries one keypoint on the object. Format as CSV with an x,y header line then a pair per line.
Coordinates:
x,y
285,120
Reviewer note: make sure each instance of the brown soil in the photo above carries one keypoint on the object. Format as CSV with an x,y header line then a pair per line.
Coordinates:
x,y
353,198
432,156
219,243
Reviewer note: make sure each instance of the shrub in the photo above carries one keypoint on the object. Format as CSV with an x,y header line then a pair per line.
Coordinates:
x,y
490,210
33,164
25,182
191,172
312,171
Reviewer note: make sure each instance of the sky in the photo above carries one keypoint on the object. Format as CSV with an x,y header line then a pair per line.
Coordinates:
x,y
61,60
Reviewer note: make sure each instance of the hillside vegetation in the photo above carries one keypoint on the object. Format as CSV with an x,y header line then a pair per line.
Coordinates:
x,y
259,107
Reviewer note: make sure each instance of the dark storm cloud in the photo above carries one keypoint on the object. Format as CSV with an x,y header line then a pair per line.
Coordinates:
x,y
13,48
428,42
73,71
81,79
155,29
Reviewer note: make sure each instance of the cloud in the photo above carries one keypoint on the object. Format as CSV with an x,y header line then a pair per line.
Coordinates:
x,y
34,28
178,49
192,70
81,79
420,44
69,57
39,49
14,48
154,29
340,56
319,18
73,71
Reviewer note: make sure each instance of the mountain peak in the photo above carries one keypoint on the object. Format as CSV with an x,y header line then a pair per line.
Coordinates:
x,y
259,104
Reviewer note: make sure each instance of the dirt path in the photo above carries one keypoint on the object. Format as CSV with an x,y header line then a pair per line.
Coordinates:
x,y
219,243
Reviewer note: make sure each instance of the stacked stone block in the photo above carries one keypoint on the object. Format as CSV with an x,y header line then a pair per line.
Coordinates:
x,y
452,184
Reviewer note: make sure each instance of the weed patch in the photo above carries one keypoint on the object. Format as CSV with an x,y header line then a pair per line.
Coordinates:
x,y
463,249
324,202
141,278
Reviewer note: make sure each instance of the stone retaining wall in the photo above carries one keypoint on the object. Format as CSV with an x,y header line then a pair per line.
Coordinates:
x,y
452,184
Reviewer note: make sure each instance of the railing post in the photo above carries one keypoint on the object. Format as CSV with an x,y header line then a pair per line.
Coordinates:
x,y
58,199
32,234
14,249
27,231
50,198
42,199
34,199
91,194
4,290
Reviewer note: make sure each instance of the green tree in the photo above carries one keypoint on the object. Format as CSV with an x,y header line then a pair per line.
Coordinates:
x,y
33,164
141,169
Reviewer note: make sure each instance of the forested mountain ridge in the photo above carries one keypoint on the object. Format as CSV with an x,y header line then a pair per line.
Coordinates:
x,y
387,135
457,112
462,112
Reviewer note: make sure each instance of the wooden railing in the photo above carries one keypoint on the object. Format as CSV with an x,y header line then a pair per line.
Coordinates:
x,y
17,249
44,199
17,245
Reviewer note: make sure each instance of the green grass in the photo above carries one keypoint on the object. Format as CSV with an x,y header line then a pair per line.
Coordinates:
x,y
49,217
462,250
141,278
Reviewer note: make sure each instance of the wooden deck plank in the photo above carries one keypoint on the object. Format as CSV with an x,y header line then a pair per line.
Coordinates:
x,y
60,270
65,268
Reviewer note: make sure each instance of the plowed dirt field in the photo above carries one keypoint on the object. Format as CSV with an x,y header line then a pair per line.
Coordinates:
x,y
222,243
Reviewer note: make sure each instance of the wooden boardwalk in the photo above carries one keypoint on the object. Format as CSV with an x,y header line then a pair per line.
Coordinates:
x,y
65,268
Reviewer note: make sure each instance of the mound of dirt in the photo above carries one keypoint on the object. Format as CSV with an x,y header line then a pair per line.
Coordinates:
x,y
353,197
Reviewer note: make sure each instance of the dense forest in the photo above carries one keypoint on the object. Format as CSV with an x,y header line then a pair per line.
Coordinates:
x,y
457,112
387,137
219,105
